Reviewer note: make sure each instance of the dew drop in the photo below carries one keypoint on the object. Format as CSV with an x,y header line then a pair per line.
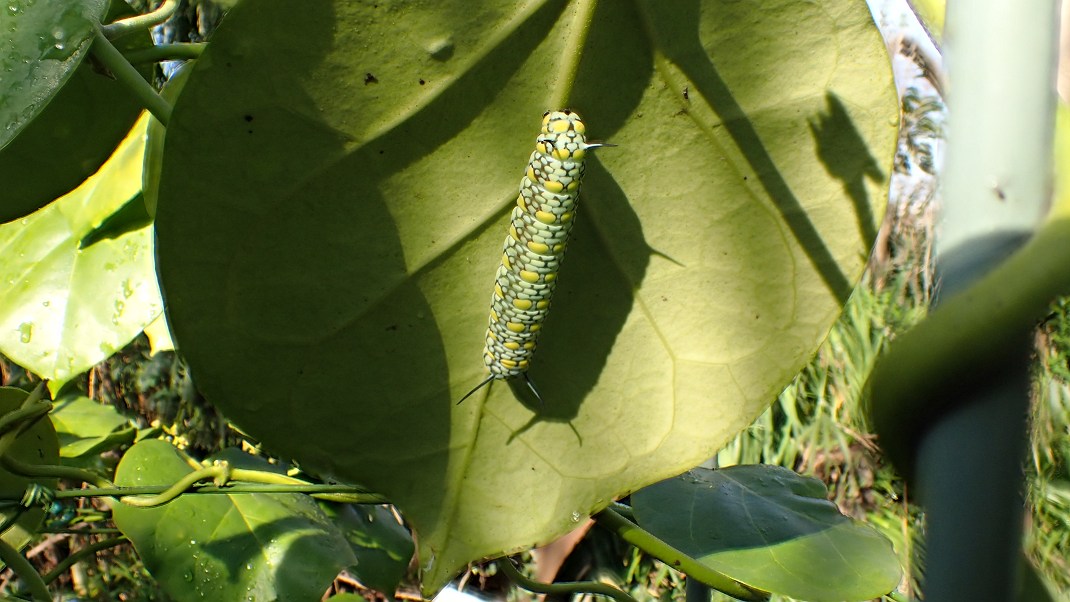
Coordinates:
x,y
26,332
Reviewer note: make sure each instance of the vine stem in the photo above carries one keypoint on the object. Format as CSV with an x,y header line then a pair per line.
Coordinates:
x,y
646,541
573,587
103,50
166,52
141,22
22,567
89,550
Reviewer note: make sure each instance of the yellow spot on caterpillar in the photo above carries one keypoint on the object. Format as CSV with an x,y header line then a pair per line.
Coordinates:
x,y
579,153
531,173
493,316
553,186
498,291
514,233
545,119
579,127
566,217
508,363
573,185
549,277
538,247
527,276
559,248
534,327
529,345
515,326
560,154
505,261
511,345
523,364
524,304
545,217
559,126
520,203
542,305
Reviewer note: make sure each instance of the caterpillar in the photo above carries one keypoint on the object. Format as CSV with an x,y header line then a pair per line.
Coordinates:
x,y
538,233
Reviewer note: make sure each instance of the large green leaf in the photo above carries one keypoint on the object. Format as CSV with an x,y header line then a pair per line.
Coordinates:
x,y
37,445
78,279
62,116
228,547
335,193
771,529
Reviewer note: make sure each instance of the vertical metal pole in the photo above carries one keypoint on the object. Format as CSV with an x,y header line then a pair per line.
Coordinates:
x,y
1000,58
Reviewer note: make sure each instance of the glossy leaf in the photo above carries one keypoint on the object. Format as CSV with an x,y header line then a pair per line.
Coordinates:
x,y
328,269
228,547
383,547
771,529
78,280
63,116
85,426
37,445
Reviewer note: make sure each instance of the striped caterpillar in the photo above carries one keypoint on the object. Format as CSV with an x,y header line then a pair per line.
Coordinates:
x,y
534,247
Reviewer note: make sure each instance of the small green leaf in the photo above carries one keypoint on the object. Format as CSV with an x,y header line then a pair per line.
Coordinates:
x,y
37,445
228,547
78,280
771,529
85,426
63,116
383,547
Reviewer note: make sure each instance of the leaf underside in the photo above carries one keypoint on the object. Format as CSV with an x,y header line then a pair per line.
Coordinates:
x,y
334,196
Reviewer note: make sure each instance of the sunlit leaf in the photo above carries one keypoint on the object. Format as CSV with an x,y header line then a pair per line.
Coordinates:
x,y
771,529
334,197
78,280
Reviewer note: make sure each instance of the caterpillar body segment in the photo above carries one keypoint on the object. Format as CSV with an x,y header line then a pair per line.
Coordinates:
x,y
534,247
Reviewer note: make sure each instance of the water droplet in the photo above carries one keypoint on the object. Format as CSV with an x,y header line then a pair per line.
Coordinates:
x,y
440,49
576,517
46,303
26,332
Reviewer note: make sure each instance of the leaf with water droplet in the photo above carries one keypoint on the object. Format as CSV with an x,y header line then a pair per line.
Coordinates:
x,y
264,546
64,310
52,99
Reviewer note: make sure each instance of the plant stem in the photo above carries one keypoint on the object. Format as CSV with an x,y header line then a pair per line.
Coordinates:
x,y
141,22
334,493
166,52
89,550
574,587
22,567
644,540
53,471
110,57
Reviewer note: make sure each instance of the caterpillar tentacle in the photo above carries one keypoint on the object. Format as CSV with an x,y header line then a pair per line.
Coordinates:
x,y
534,247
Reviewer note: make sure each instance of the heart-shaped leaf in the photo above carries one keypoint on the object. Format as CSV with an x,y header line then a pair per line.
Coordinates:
x,y
771,529
245,546
78,279
335,192
62,116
